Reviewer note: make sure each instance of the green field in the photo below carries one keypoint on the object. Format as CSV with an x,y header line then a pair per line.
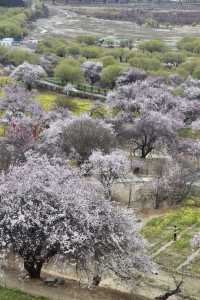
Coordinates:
x,y
76,105
7,294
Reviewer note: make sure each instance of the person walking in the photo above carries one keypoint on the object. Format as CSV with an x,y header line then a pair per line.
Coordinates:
x,y
175,235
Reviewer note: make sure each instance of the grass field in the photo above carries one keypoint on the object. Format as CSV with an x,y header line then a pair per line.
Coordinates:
x,y
7,294
76,105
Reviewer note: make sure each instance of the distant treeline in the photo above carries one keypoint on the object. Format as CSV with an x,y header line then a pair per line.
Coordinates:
x,y
10,3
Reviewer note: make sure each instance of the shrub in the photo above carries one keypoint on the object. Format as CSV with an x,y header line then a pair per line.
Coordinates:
x,y
110,75
120,54
73,50
145,63
196,72
190,44
3,54
173,58
18,56
188,68
12,23
87,39
69,71
54,45
108,60
91,52
153,46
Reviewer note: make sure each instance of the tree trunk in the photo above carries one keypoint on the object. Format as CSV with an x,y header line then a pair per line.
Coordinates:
x,y
175,291
156,201
33,268
96,280
143,153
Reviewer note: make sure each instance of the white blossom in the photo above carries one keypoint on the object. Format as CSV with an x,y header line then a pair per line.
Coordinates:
x,y
108,167
47,209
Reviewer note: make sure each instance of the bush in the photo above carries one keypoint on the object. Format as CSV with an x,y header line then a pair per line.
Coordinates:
x,y
91,52
11,29
18,56
190,44
145,63
87,39
12,23
54,45
108,60
161,73
120,54
153,46
196,72
110,75
73,50
188,68
69,71
173,58
3,54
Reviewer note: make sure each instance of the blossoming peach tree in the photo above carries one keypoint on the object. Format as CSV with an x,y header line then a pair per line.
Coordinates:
x,y
48,209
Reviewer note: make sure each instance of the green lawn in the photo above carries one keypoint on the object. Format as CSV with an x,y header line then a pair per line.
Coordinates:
x,y
7,294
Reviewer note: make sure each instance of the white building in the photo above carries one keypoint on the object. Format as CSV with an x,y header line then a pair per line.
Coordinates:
x,y
7,42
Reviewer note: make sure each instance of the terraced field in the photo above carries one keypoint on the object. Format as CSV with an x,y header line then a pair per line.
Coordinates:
x,y
170,254
176,257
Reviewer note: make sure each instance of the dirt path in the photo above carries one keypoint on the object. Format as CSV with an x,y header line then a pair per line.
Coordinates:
x,y
70,291
189,260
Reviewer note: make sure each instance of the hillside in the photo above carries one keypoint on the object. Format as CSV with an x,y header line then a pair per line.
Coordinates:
x,y
140,15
